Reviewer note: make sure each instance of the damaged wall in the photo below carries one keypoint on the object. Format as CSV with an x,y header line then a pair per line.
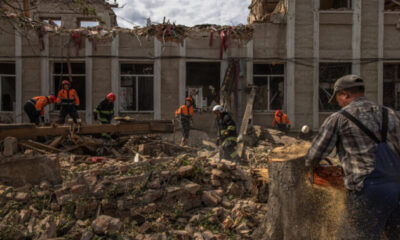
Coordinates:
x,y
169,53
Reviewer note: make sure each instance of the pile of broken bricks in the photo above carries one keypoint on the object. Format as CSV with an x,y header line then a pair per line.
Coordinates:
x,y
182,198
167,192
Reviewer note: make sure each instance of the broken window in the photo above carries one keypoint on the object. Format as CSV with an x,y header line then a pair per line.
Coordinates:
x,y
60,73
136,89
7,86
328,74
52,21
335,4
203,83
85,24
391,86
392,5
270,79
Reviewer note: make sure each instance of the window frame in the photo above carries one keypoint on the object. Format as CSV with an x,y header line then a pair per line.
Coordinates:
x,y
82,20
269,76
396,82
319,83
52,83
348,9
1,79
137,76
389,11
44,19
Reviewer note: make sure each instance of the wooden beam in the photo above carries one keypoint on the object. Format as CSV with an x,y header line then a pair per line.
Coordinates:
x,y
128,128
247,119
41,146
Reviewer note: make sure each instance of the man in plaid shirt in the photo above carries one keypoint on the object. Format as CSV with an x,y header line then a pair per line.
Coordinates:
x,y
373,200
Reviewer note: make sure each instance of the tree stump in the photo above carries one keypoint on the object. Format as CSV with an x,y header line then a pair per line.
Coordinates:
x,y
296,209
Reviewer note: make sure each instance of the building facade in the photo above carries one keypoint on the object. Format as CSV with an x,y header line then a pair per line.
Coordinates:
x,y
293,62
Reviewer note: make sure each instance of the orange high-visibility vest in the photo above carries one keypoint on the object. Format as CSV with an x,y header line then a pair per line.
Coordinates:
x,y
40,102
185,111
283,119
68,97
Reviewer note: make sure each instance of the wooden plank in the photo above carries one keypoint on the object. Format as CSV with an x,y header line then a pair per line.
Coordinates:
x,y
26,145
248,113
246,119
43,146
56,141
128,128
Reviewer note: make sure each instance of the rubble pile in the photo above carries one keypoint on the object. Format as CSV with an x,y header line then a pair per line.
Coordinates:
x,y
153,190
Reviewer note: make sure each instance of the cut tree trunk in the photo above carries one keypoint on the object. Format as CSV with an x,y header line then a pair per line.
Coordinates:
x,y
296,209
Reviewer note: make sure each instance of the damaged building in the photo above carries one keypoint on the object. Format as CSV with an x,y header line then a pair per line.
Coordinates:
x,y
292,52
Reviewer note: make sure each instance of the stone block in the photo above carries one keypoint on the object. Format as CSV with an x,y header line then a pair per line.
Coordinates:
x,y
10,146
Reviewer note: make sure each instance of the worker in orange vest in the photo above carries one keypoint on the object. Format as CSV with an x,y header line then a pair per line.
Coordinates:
x,y
69,101
185,113
281,121
34,107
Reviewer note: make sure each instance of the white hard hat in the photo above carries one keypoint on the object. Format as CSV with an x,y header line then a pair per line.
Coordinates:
x,y
218,108
305,129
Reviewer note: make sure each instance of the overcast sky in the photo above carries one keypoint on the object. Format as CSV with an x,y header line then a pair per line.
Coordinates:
x,y
185,12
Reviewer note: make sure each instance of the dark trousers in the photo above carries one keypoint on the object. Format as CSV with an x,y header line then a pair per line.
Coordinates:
x,y
282,127
185,122
372,212
30,110
228,151
68,109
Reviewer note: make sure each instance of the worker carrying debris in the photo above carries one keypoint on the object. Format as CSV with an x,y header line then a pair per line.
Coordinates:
x,y
367,137
104,112
281,121
34,107
227,136
69,101
185,113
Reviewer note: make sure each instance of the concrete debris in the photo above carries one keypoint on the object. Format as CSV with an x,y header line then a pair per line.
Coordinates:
x,y
106,225
10,146
170,193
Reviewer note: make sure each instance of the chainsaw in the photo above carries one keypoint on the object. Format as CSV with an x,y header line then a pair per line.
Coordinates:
x,y
327,175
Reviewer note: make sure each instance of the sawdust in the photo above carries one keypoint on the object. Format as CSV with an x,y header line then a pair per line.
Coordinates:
x,y
331,207
288,152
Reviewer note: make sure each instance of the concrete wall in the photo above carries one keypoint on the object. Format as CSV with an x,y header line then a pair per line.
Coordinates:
x,y
71,14
304,72
269,45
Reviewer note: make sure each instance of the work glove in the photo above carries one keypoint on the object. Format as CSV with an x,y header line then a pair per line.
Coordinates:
x,y
42,119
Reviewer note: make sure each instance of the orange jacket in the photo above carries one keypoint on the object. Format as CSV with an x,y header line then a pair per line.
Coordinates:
x,y
185,111
40,102
68,97
283,119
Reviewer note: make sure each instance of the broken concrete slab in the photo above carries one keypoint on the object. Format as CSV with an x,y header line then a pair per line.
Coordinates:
x,y
21,170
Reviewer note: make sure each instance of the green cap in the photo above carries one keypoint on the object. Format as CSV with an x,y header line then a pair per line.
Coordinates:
x,y
345,82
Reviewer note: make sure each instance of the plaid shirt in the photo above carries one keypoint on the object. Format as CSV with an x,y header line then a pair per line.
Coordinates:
x,y
356,150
